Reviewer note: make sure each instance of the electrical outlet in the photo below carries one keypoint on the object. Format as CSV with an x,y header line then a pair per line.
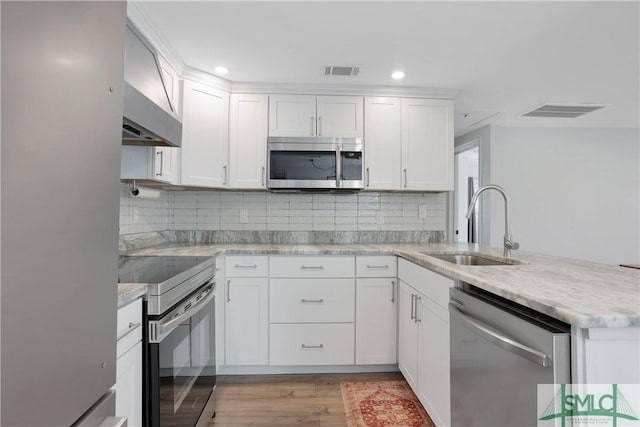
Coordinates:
x,y
422,211
379,217
135,213
244,216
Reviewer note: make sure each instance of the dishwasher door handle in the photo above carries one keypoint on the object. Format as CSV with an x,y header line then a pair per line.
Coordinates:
x,y
491,335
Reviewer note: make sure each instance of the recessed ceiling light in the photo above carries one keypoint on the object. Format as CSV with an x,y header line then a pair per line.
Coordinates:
x,y
221,70
397,75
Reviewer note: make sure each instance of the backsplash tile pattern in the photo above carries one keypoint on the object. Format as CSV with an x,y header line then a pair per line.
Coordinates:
x,y
224,211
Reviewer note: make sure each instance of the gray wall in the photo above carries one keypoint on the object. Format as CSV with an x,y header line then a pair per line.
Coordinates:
x,y
574,192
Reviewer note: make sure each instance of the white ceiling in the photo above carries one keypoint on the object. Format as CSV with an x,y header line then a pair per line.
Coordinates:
x,y
504,58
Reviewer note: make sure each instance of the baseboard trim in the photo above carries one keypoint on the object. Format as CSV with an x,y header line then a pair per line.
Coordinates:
x,y
324,369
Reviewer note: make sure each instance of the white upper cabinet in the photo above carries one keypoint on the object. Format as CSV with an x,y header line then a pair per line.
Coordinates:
x,y
248,141
427,144
292,115
383,136
409,144
339,116
149,163
308,115
204,151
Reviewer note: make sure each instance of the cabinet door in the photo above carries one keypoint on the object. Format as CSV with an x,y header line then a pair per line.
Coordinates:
x,y
165,167
248,141
376,321
205,121
433,359
383,137
292,115
427,144
340,116
407,335
246,321
129,386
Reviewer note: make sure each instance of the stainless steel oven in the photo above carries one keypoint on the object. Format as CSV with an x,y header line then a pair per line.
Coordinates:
x,y
315,163
179,338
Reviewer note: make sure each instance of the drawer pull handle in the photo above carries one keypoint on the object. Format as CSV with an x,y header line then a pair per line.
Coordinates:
x,y
132,327
304,346
312,300
377,266
245,266
312,267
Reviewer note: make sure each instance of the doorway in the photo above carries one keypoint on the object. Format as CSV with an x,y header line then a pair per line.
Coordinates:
x,y
467,181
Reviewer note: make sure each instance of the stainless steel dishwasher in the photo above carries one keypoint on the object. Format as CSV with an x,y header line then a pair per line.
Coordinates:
x,y
500,352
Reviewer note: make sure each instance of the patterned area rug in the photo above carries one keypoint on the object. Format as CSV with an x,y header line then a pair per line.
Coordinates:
x,y
383,404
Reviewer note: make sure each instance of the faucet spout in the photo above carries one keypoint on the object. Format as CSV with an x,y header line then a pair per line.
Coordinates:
x,y
508,243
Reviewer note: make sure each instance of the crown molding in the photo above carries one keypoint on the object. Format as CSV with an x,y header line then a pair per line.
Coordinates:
x,y
358,90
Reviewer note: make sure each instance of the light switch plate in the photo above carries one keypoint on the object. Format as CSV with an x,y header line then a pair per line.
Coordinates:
x,y
422,211
136,213
244,216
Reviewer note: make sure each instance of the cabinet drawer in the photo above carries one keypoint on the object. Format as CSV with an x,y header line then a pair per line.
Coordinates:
x,y
376,266
312,344
129,326
246,266
312,266
432,285
312,300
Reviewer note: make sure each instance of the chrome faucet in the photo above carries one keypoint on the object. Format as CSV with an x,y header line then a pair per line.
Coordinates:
x,y
508,243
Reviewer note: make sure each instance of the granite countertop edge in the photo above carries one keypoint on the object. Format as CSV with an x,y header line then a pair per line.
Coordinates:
x,y
565,289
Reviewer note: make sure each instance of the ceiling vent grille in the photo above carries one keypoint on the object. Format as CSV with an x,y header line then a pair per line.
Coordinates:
x,y
334,70
562,110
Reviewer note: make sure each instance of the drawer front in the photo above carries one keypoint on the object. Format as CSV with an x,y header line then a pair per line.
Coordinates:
x,y
311,344
246,266
129,326
312,266
430,284
312,300
376,266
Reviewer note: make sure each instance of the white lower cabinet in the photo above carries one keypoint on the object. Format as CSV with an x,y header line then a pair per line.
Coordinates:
x,y
423,352
246,321
376,310
128,385
311,344
408,335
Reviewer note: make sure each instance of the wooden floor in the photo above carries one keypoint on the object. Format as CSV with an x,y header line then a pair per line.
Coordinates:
x,y
285,400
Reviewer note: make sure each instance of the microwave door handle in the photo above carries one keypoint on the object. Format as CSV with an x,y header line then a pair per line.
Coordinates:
x,y
338,166
170,325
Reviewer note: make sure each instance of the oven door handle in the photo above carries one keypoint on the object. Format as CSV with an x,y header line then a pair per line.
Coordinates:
x,y
170,325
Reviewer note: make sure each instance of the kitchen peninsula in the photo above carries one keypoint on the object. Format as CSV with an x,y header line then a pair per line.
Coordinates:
x,y
572,291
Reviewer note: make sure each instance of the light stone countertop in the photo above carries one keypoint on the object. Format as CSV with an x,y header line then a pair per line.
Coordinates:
x,y
129,292
583,294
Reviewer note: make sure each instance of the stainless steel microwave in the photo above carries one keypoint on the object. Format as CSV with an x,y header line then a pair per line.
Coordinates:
x,y
315,164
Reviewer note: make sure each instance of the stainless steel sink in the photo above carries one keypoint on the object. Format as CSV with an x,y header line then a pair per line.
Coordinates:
x,y
470,259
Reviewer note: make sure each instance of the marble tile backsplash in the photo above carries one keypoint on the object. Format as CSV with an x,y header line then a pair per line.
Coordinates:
x,y
262,211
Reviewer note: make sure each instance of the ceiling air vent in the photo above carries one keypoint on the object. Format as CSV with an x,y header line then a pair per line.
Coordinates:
x,y
333,70
562,110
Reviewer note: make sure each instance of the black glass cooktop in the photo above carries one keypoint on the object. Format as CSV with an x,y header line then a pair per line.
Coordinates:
x,y
154,269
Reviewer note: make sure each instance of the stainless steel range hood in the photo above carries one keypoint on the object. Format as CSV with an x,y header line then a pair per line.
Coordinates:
x,y
149,118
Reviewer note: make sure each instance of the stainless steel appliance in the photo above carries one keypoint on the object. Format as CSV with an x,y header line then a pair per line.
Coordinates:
x,y
62,79
315,164
149,118
500,352
179,357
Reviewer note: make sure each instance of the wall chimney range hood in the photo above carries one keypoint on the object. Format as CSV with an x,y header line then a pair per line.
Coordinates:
x,y
149,118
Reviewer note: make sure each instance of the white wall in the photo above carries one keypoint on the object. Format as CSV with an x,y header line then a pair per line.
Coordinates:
x,y
574,192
